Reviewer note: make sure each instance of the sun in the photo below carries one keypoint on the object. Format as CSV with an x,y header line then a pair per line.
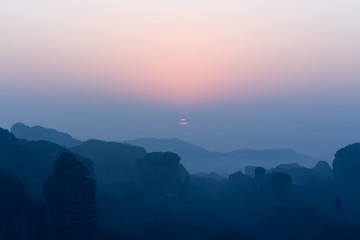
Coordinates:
x,y
183,122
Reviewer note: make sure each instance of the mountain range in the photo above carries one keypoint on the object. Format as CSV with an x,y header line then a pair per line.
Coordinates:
x,y
198,159
37,133
195,158
32,161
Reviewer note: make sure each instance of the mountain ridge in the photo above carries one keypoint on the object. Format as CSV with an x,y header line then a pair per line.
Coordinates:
x,y
195,158
227,161
36,133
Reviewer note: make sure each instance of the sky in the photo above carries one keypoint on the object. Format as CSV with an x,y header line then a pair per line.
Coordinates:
x,y
244,74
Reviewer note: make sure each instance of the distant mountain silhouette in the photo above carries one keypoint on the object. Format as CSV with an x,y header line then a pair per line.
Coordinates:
x,y
198,159
109,151
302,175
50,193
176,145
285,167
324,170
195,158
37,133
31,161
113,161
323,167
161,174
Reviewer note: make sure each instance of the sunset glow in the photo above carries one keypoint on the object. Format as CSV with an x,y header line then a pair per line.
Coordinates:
x,y
179,53
222,74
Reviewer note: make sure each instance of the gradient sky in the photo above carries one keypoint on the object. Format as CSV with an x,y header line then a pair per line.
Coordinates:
x,y
245,74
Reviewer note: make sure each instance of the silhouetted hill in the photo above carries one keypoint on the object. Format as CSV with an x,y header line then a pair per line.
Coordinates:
x,y
36,133
15,204
31,161
323,167
195,159
324,170
198,159
71,199
347,166
109,151
113,161
285,167
161,174
302,175
152,196
184,149
272,157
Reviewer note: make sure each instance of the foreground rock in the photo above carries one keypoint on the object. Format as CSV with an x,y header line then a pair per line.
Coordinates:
x,y
71,199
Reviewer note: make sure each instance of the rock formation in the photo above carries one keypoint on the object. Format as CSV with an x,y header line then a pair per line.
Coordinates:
x,y
15,209
161,173
346,167
70,196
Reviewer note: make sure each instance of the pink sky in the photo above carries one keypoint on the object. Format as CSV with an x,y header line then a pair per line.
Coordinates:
x,y
244,73
180,52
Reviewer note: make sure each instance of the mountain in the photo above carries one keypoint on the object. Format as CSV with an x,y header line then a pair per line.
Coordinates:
x,y
32,161
112,152
184,149
36,133
197,159
113,162
301,175
323,168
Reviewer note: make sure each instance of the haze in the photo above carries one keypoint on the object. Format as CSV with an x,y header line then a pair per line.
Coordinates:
x,y
245,74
